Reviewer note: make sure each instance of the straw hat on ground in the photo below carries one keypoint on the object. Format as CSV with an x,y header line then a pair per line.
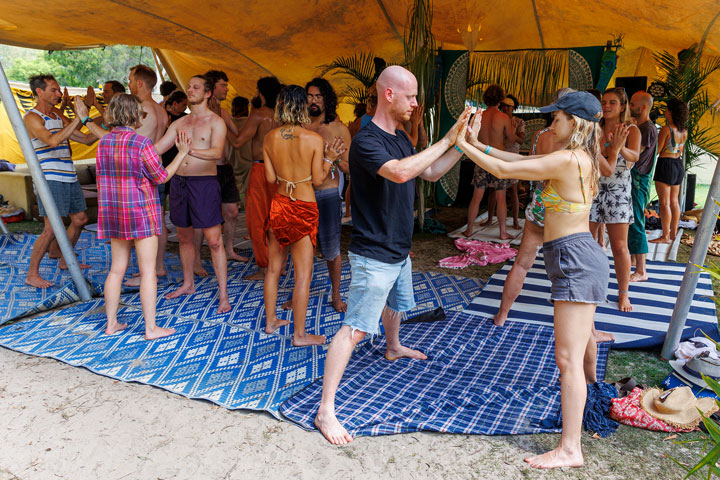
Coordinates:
x,y
677,407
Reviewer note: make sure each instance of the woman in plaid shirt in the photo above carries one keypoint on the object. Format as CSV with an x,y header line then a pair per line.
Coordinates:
x,y
128,173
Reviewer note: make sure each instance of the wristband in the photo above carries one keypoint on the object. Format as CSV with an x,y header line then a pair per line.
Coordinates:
x,y
458,149
85,120
487,150
332,169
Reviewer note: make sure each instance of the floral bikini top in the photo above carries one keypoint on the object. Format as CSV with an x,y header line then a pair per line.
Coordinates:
x,y
555,203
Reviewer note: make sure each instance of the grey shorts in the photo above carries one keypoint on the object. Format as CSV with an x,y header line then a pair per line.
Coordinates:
x,y
329,206
68,197
578,269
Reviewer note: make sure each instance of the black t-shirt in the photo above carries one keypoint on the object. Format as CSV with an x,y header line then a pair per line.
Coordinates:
x,y
172,152
382,210
648,139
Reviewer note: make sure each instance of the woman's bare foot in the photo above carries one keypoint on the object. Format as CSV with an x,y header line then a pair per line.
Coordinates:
x,y
271,326
287,305
231,255
403,352
259,275
499,319
158,332
468,232
224,306
516,225
307,340
486,223
63,266
557,458
331,429
639,277
183,290
661,240
135,280
37,281
600,337
505,236
114,327
339,305
624,302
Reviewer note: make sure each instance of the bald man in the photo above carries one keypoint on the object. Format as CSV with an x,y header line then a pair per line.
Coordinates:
x,y
383,166
640,105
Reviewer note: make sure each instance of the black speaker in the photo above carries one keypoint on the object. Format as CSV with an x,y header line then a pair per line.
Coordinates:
x,y
631,84
690,191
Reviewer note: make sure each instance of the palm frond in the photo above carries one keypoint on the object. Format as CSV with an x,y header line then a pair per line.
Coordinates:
x,y
531,75
353,94
360,67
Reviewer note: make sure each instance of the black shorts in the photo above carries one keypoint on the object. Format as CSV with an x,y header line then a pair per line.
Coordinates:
x,y
669,171
195,202
228,188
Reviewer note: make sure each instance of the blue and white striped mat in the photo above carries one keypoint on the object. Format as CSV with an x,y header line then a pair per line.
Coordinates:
x,y
478,379
653,302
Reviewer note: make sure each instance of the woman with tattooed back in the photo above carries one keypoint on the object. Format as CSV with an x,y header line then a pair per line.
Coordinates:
x,y
294,160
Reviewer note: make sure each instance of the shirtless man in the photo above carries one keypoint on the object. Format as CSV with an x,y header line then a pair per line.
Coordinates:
x,y
195,193
496,129
226,174
322,103
260,193
50,130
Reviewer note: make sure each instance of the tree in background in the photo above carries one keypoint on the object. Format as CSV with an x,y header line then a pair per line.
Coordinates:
x,y
75,68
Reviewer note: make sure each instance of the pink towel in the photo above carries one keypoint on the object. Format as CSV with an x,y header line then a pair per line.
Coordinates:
x,y
478,253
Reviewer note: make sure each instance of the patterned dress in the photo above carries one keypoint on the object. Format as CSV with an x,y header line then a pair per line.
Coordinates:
x,y
613,203
128,172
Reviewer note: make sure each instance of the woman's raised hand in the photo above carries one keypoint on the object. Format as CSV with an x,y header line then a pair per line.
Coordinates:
x,y
474,129
618,137
183,141
334,150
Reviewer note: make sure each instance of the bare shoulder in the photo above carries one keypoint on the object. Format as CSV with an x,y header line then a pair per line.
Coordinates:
x,y
339,128
309,135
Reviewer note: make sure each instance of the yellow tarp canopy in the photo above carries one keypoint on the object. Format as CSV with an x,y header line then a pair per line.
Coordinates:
x,y
290,38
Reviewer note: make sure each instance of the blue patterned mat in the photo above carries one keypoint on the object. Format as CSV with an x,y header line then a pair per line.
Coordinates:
x,y
227,358
478,379
653,302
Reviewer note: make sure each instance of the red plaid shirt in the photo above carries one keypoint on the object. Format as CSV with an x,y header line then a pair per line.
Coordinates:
x,y
128,172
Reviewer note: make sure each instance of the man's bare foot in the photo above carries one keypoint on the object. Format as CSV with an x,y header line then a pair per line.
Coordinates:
x,y
639,277
183,290
600,337
499,320
331,429
403,352
287,305
235,257
339,305
661,240
37,281
271,326
158,332
259,275
516,225
468,232
199,270
224,306
624,302
557,458
114,328
63,266
308,339
505,236
487,222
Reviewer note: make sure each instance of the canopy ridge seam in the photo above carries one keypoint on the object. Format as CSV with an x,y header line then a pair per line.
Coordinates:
x,y
537,22
214,40
389,21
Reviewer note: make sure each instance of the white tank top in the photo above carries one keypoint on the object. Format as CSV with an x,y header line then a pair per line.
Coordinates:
x,y
56,162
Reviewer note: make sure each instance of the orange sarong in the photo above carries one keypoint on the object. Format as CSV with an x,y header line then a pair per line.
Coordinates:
x,y
291,220
257,207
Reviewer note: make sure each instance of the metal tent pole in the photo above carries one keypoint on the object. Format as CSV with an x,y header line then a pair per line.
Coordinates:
x,y
697,257
41,185
3,227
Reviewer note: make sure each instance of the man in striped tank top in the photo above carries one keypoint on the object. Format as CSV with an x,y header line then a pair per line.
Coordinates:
x,y
50,131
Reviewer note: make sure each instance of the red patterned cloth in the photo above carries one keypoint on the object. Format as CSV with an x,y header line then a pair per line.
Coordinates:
x,y
291,220
128,172
628,411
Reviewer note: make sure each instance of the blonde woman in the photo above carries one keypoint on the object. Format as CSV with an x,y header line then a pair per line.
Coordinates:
x,y
129,212
576,265
294,160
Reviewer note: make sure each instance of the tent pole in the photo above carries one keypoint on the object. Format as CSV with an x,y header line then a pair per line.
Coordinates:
x,y
690,279
42,187
3,228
